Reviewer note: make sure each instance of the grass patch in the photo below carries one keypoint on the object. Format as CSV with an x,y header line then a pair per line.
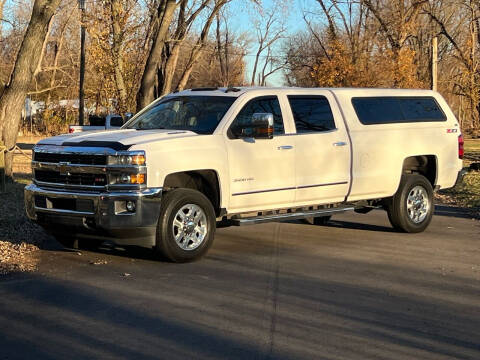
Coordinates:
x,y
472,145
466,194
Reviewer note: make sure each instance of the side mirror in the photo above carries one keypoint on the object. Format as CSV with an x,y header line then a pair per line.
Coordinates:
x,y
262,126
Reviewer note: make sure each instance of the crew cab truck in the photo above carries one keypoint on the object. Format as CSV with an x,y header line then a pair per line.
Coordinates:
x,y
199,158
96,123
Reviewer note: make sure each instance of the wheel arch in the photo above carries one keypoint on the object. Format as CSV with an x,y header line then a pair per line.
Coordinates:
x,y
206,181
426,165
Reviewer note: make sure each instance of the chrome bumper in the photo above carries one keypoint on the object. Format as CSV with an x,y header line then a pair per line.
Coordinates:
x,y
96,215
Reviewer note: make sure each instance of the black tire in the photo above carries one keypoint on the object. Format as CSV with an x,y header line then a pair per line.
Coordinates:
x,y
172,204
419,217
322,220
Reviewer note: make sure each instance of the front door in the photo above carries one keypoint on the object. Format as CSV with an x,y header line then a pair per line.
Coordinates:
x,y
262,171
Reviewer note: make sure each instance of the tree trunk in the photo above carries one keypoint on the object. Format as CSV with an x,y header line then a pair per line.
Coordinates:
x,y
171,51
117,11
255,64
58,50
2,2
165,14
26,63
169,71
196,51
220,54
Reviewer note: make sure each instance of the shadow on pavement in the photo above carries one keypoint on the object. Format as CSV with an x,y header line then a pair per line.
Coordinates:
x,y
452,211
319,315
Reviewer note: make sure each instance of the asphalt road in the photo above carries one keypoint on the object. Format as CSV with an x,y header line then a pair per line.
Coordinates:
x,y
352,290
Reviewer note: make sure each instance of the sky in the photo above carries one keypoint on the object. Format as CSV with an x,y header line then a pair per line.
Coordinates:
x,y
241,18
242,21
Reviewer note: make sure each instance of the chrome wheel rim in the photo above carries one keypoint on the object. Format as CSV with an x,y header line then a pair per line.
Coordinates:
x,y
418,204
189,227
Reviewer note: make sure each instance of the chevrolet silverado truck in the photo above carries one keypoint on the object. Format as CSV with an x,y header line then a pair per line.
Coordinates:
x,y
202,158
96,123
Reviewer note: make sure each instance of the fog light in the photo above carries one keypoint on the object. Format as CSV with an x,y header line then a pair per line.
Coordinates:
x,y
130,206
137,179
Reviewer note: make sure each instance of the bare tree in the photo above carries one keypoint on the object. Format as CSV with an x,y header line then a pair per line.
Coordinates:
x,y
222,50
2,3
465,45
160,24
26,65
119,10
200,44
269,29
271,65
231,49
185,21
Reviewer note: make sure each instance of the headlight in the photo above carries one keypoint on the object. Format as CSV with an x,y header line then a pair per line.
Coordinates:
x,y
135,158
136,179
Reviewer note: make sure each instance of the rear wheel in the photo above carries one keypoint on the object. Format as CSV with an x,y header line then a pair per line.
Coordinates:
x,y
411,208
186,225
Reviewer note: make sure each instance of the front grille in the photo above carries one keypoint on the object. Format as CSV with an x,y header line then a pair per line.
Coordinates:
x,y
71,178
71,158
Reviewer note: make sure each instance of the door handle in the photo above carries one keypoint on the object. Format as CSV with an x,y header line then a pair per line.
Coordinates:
x,y
340,143
285,147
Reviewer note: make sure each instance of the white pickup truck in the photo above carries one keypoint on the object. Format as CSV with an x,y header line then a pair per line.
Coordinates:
x,y
98,123
200,158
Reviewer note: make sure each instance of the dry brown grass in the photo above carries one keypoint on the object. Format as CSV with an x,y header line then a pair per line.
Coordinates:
x,y
466,194
19,237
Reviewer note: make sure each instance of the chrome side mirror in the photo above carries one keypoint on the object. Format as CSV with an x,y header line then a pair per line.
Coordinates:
x,y
262,126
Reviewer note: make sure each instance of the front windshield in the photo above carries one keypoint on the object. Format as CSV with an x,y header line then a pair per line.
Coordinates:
x,y
200,114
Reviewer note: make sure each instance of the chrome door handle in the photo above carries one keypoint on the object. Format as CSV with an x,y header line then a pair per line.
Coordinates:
x,y
285,147
340,143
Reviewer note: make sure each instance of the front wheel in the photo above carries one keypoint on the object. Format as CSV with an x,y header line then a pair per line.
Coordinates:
x,y
411,208
186,225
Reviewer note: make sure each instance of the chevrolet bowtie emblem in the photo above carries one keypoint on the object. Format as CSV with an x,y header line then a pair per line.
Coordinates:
x,y
62,168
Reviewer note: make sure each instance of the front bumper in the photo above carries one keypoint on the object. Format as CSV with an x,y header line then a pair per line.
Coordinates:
x,y
96,215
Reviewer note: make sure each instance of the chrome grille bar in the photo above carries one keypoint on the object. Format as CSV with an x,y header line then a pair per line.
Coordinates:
x,y
67,174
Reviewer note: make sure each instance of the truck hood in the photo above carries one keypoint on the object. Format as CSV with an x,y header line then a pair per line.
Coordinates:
x,y
125,137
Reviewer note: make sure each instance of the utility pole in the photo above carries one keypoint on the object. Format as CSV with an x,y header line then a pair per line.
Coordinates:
x,y
435,64
81,96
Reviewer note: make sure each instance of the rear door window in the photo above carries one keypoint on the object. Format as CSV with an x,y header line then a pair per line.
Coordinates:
x,y
311,113
116,121
390,110
95,120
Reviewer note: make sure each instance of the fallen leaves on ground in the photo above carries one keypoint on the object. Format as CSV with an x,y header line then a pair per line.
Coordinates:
x,y
99,262
19,237
17,257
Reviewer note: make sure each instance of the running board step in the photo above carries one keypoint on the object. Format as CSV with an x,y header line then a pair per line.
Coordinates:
x,y
288,216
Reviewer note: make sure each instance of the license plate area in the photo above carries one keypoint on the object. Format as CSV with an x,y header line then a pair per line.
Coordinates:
x,y
80,205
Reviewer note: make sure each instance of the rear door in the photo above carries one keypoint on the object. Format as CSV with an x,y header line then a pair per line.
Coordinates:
x,y
322,156
262,171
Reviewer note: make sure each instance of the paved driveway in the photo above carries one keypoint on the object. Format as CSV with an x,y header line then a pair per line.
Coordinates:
x,y
352,290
